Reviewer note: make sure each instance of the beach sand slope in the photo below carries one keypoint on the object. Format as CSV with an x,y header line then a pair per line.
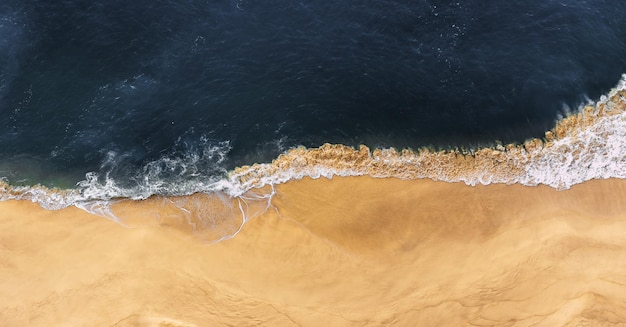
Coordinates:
x,y
342,252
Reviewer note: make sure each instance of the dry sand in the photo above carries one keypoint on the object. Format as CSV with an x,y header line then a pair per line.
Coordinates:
x,y
351,251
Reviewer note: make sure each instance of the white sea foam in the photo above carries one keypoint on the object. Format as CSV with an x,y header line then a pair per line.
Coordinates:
x,y
588,145
593,146
598,152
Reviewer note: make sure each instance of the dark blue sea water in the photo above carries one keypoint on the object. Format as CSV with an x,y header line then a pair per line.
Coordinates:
x,y
173,91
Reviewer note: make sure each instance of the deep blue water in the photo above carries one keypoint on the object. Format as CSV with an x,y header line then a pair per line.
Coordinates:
x,y
189,89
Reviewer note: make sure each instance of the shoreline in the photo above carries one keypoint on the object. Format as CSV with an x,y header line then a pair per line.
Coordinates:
x,y
343,252
583,146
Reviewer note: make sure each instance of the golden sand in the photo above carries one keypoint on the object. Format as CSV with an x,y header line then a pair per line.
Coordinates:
x,y
344,252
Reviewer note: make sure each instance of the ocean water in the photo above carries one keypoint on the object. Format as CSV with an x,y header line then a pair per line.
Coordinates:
x,y
115,99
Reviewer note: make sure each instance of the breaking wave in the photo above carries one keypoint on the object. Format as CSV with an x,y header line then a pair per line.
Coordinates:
x,y
590,144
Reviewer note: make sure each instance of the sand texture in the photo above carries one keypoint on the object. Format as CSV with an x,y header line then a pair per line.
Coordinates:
x,y
352,251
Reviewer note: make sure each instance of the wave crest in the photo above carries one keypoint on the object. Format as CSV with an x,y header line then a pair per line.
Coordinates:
x,y
590,144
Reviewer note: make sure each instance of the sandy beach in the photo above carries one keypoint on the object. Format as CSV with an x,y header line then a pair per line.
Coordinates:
x,y
341,252
320,163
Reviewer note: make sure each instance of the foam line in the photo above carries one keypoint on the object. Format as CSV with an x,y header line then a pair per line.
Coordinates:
x,y
587,145
590,144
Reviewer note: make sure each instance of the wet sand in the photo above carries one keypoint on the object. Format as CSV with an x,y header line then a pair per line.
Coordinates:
x,y
342,252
